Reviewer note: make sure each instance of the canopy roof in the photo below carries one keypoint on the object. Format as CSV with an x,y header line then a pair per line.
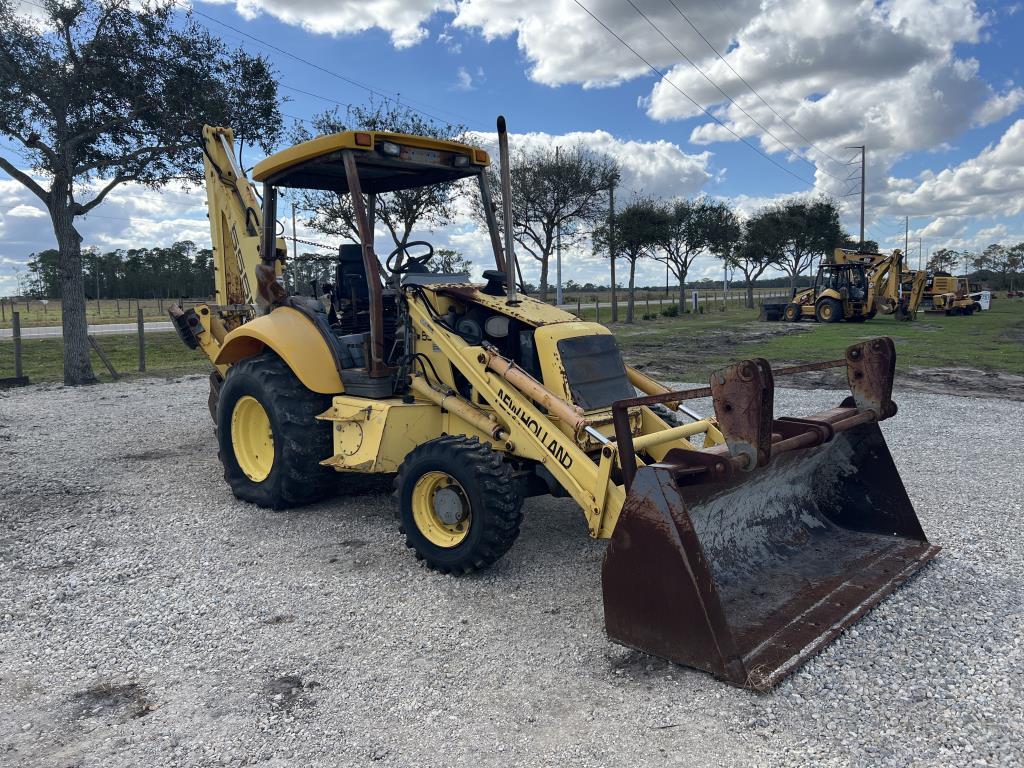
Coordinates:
x,y
386,162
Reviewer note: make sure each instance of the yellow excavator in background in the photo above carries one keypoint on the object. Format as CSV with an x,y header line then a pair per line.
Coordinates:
x,y
739,544
855,286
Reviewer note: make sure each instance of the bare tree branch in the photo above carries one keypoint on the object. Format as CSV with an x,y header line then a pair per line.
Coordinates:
x,y
81,209
25,179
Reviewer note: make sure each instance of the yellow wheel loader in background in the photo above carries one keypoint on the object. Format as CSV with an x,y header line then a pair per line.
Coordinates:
x,y
948,295
739,544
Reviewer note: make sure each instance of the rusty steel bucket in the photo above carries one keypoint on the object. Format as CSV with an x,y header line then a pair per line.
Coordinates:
x,y
747,571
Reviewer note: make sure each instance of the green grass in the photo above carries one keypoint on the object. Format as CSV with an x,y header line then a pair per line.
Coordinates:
x,y
165,356
992,340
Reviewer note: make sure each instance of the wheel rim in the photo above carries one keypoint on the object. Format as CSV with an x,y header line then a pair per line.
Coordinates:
x,y
440,509
826,312
252,438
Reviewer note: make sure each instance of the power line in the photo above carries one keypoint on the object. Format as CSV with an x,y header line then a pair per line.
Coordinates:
x,y
660,74
744,81
729,98
314,65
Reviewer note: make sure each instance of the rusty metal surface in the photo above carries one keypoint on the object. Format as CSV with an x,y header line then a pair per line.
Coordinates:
x,y
749,576
743,395
871,366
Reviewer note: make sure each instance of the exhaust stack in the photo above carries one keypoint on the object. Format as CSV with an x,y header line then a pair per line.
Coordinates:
x,y
506,204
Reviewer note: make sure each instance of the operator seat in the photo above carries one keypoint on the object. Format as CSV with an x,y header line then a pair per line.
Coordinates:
x,y
350,274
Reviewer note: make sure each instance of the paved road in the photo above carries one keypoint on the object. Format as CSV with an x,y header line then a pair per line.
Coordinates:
x,y
55,332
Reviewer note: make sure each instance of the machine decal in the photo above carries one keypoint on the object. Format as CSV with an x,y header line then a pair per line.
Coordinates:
x,y
551,443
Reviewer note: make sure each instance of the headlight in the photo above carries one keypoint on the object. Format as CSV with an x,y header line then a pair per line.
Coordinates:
x,y
389,148
461,161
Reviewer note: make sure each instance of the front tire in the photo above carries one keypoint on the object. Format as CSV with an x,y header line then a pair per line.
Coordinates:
x,y
270,441
828,311
792,313
458,504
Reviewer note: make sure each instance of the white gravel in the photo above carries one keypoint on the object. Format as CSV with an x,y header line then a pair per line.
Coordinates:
x,y
147,618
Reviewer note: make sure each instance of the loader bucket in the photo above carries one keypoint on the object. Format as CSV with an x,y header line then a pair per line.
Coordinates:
x,y
748,574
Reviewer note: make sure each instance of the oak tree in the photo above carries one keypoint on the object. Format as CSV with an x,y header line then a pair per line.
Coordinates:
x,y
99,93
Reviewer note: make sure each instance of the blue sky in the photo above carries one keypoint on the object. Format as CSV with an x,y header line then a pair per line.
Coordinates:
x,y
932,87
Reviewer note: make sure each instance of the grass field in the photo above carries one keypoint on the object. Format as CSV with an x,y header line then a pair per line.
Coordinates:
x,y
684,348
165,356
989,341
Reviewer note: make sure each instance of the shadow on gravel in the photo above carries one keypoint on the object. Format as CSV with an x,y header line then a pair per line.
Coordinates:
x,y
289,692
126,702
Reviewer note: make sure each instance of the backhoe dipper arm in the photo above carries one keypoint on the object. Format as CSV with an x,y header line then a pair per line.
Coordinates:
x,y
236,221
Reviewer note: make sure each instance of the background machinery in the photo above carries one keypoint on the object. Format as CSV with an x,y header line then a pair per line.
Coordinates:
x,y
739,544
945,294
855,286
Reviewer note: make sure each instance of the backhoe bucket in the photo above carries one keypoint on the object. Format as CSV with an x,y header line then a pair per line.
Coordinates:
x,y
747,573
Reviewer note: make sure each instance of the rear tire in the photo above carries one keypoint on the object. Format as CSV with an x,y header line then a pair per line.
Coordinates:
x,y
458,504
828,311
261,394
792,313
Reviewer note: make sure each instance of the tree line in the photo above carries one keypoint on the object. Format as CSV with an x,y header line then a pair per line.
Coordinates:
x,y
182,269
999,266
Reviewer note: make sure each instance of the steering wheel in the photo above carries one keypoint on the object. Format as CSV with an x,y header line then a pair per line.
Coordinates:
x,y
410,261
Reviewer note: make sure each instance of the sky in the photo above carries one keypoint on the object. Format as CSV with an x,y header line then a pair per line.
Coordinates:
x,y
748,101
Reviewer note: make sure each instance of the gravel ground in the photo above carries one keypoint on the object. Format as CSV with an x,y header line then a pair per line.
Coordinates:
x,y
149,618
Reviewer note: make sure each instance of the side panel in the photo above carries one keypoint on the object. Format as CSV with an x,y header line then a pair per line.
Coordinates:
x,y
292,336
377,435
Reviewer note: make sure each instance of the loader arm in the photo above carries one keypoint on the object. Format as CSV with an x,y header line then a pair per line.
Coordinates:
x,y
531,432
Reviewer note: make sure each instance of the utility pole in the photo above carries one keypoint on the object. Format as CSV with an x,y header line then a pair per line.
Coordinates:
x,y
920,252
611,246
906,236
558,247
863,155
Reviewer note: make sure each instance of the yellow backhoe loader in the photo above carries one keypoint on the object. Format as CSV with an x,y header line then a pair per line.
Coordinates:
x,y
739,544
855,286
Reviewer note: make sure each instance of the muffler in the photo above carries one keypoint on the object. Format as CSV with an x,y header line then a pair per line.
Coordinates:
x,y
745,560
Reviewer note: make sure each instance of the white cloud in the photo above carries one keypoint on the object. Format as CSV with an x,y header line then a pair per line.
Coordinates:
x,y
991,183
27,212
998,106
402,19
463,80
658,168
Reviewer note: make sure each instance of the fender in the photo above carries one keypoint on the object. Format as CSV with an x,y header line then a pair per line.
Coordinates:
x,y
295,339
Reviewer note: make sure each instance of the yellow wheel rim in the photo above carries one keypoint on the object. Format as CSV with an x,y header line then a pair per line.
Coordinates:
x,y
440,509
826,312
252,439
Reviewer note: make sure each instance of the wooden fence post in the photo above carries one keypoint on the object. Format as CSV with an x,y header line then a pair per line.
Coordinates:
x,y
103,357
16,335
597,309
142,340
